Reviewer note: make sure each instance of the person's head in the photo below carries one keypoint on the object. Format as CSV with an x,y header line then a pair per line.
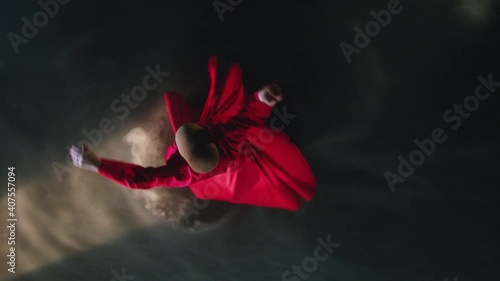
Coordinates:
x,y
194,145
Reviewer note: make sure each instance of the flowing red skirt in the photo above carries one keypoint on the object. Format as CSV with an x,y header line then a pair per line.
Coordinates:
x,y
261,165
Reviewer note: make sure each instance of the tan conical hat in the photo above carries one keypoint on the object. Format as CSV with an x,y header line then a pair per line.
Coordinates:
x,y
195,147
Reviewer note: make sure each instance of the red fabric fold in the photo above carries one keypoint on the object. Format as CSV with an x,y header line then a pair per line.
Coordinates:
x,y
259,164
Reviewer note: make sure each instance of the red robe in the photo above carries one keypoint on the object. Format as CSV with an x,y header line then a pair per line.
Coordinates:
x,y
258,165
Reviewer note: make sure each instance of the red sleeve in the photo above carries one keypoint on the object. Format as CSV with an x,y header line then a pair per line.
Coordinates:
x,y
137,177
254,113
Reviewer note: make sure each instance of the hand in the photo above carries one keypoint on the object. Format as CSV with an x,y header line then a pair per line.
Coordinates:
x,y
84,158
271,95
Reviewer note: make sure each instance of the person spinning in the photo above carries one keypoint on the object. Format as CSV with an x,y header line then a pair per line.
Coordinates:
x,y
223,151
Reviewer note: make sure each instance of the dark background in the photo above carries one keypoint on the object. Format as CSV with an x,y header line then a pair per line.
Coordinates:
x,y
353,122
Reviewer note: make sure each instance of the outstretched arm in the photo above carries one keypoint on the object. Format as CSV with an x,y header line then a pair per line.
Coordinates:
x,y
175,174
258,107
84,158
